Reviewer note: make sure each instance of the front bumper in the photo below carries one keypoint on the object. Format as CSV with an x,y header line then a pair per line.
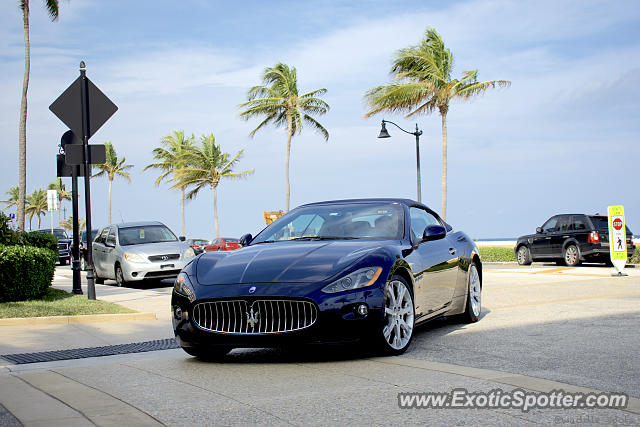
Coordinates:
x,y
134,271
337,321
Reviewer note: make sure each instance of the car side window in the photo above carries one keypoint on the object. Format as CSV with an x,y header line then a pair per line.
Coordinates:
x,y
550,225
578,223
420,219
102,237
111,237
563,224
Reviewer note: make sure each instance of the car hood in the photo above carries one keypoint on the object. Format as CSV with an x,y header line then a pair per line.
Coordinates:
x,y
160,248
282,262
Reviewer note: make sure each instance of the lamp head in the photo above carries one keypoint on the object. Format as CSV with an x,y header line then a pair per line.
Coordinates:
x,y
383,131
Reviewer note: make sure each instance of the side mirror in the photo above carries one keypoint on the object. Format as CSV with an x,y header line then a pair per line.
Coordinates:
x,y
539,230
182,238
246,239
434,232
109,244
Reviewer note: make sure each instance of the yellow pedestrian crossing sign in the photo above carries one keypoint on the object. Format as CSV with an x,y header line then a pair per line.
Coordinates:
x,y
617,237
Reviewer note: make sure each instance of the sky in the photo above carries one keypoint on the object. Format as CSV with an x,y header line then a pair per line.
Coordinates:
x,y
563,138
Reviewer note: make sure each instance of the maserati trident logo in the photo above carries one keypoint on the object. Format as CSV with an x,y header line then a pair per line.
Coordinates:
x,y
252,289
253,318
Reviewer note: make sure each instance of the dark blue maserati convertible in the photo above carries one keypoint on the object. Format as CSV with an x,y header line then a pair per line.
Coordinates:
x,y
339,271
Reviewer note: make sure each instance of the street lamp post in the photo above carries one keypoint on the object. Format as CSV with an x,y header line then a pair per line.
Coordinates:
x,y
417,133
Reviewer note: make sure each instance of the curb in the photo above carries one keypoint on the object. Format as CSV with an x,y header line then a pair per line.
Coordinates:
x,y
68,320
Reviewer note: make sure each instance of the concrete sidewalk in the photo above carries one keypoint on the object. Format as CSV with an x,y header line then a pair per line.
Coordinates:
x,y
48,337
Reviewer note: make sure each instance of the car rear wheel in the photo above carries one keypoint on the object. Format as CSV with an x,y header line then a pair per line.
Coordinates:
x,y
399,317
474,296
571,256
120,281
208,353
524,255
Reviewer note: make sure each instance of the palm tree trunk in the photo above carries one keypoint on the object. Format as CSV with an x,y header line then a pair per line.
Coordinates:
x,y
215,209
182,209
443,212
59,209
39,226
110,182
289,128
22,143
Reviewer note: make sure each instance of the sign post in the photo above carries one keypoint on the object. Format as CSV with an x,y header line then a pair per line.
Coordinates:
x,y
84,108
52,204
617,238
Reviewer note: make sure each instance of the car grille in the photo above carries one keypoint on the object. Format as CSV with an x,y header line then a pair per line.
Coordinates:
x,y
166,257
63,246
255,317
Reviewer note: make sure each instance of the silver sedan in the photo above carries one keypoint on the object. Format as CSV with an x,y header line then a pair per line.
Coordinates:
x,y
138,250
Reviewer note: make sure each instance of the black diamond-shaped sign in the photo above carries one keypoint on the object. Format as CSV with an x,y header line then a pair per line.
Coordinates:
x,y
68,107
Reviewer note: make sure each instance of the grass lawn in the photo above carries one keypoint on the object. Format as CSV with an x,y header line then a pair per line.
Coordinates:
x,y
57,302
496,254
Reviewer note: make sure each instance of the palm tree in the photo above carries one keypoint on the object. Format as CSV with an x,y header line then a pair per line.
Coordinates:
x,y
170,159
112,168
206,166
278,101
62,192
52,8
12,201
36,205
67,224
423,84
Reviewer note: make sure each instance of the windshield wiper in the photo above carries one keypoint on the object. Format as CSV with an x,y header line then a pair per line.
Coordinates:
x,y
264,241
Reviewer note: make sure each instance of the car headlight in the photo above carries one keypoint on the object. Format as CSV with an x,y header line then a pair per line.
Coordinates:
x,y
184,287
189,253
358,279
133,257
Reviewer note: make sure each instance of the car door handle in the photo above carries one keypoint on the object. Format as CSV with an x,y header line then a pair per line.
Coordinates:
x,y
452,251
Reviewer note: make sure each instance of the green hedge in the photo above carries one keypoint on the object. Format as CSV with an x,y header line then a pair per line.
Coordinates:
x,y
25,272
496,254
40,239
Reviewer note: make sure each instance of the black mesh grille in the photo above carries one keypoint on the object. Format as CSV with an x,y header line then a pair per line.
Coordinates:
x,y
167,257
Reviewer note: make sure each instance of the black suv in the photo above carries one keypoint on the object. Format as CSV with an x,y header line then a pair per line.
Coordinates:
x,y
64,244
569,239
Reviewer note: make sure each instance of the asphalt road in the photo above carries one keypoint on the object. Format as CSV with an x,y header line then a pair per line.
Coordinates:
x,y
542,328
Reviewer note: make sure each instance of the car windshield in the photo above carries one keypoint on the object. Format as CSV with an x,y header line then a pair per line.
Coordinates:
x,y
145,234
60,234
337,222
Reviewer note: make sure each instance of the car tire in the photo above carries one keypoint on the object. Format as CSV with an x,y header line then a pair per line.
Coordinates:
x,y
571,255
473,305
208,353
398,322
120,281
524,255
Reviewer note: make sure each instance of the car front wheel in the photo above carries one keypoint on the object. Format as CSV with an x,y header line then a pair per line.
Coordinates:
x,y
399,317
120,281
524,256
571,256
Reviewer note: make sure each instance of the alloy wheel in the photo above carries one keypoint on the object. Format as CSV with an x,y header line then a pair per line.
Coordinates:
x,y
571,255
119,276
399,315
475,290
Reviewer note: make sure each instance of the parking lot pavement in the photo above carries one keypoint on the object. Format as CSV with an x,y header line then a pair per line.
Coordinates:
x,y
542,328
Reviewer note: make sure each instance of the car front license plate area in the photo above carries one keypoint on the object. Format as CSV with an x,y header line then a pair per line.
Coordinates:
x,y
163,266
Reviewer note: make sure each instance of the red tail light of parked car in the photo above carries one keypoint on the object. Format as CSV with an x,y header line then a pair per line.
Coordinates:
x,y
594,237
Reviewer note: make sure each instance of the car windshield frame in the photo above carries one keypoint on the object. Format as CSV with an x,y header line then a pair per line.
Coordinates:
x,y
125,240
337,221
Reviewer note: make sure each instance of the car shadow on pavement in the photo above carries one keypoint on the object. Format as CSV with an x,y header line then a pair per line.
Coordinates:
x,y
318,353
